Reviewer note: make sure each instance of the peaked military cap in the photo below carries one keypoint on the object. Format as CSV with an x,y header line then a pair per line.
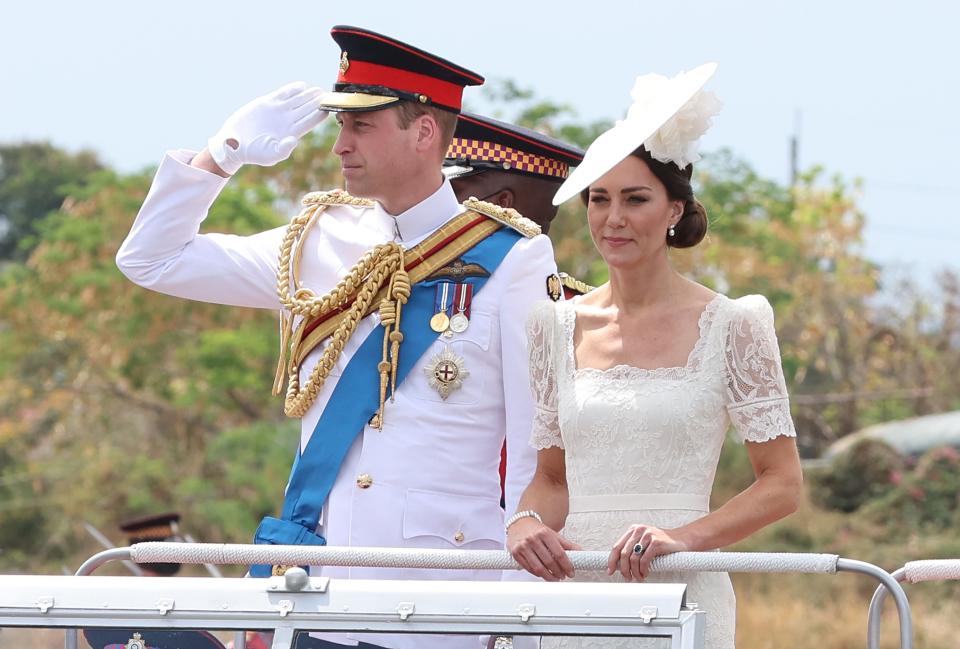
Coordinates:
x,y
482,143
376,71
150,639
156,527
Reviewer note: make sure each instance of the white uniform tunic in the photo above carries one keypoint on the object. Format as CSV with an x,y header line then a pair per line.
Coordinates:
x,y
434,466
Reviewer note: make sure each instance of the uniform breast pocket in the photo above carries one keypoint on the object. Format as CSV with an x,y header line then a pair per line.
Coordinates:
x,y
454,368
448,520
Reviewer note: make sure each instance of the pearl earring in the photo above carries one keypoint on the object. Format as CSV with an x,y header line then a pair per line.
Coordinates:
x,y
671,232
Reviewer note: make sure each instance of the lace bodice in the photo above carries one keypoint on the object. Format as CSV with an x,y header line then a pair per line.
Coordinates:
x,y
642,446
663,426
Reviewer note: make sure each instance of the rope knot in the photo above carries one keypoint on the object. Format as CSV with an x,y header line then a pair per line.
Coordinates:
x,y
388,312
304,294
401,286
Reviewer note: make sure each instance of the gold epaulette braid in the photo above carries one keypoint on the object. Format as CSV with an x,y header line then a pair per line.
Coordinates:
x,y
382,265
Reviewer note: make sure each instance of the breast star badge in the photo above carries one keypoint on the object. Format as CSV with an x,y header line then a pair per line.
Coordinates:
x,y
445,373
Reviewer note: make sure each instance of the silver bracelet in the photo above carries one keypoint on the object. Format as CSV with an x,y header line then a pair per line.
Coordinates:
x,y
524,514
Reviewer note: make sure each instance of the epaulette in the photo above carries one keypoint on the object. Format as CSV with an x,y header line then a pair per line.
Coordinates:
x,y
506,215
335,197
574,284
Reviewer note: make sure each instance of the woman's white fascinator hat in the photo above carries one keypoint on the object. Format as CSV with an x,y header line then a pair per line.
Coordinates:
x,y
668,117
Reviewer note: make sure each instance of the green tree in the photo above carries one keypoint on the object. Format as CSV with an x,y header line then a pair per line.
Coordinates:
x,y
35,177
118,401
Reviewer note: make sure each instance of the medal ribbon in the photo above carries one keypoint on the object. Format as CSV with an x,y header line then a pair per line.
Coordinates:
x,y
442,302
462,299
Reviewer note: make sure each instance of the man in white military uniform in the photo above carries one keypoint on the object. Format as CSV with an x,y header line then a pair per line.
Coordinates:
x,y
422,471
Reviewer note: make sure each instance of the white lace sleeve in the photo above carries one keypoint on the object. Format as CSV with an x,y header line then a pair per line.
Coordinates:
x,y
541,334
756,390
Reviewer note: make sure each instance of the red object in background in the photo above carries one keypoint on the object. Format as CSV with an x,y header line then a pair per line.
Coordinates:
x,y
503,475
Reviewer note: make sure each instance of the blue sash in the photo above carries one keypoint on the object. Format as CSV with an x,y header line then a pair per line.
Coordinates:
x,y
355,400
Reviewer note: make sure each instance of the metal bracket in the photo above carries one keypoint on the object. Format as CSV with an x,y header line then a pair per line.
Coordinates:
x,y
45,604
284,606
647,613
164,606
298,584
405,610
526,611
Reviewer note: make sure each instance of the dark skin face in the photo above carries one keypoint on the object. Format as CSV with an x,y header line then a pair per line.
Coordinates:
x,y
528,195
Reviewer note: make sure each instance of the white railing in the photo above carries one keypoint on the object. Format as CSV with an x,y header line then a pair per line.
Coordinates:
x,y
913,572
296,602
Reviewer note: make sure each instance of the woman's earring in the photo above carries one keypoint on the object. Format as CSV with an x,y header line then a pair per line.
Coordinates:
x,y
671,232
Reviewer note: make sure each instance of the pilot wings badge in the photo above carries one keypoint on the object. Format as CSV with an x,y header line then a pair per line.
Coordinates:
x,y
445,373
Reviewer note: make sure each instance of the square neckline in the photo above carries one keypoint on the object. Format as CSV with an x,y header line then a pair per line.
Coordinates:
x,y
704,323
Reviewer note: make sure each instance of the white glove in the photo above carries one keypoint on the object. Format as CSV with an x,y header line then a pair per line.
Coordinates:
x,y
267,130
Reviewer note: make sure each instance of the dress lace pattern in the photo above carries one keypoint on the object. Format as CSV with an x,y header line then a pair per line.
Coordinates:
x,y
632,431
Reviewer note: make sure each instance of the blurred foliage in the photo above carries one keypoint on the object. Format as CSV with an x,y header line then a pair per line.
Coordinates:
x,y
926,498
870,469
35,177
116,401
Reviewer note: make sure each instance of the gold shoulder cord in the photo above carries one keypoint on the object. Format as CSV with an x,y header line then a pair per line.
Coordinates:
x,y
383,264
575,284
506,215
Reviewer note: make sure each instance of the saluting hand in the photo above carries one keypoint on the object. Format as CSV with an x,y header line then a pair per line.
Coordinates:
x,y
540,550
266,130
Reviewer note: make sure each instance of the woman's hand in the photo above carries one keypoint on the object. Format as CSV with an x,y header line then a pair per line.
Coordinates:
x,y
540,550
652,542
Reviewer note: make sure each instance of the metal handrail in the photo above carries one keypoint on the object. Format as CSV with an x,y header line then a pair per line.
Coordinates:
x,y
744,562
912,572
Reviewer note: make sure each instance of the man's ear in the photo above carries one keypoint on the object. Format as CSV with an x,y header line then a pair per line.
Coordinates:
x,y
504,198
427,132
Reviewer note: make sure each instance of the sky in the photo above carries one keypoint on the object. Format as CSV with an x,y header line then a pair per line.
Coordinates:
x,y
869,88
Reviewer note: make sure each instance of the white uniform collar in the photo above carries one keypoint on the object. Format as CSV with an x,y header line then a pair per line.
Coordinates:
x,y
421,219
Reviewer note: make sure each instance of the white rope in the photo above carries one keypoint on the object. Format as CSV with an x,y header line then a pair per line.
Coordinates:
x,y
298,555
932,570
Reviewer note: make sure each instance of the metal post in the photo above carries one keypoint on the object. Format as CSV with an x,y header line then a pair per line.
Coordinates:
x,y
71,636
876,607
891,585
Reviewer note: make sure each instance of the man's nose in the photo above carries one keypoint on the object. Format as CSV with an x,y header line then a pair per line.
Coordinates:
x,y
344,144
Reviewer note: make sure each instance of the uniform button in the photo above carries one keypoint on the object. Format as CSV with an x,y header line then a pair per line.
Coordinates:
x,y
458,537
364,480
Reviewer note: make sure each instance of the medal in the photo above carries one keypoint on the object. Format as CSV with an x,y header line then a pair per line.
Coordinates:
x,y
440,321
459,323
445,373
461,300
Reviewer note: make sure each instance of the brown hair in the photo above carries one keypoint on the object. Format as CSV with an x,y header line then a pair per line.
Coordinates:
x,y
407,111
692,226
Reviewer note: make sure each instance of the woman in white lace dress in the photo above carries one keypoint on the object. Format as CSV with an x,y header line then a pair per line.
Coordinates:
x,y
638,381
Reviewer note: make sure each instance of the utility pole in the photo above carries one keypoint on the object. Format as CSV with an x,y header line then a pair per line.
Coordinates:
x,y
795,150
